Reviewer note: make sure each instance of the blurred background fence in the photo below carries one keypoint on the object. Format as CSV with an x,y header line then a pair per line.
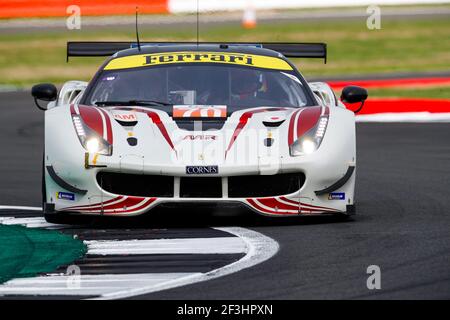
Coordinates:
x,y
58,8
412,39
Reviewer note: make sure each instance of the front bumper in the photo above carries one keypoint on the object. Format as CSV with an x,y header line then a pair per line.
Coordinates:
x,y
322,169
305,200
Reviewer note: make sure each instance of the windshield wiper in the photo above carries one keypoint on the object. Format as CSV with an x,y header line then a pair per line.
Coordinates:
x,y
111,103
150,103
133,103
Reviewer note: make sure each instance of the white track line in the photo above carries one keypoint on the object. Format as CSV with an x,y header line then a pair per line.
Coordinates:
x,y
87,285
221,245
20,208
34,222
259,249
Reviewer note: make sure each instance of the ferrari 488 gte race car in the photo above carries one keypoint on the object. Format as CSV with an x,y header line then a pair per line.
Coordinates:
x,y
180,123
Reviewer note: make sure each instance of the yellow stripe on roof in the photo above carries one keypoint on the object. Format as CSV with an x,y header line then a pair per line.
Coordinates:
x,y
156,59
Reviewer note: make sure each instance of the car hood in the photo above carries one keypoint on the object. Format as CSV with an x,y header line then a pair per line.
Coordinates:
x,y
244,136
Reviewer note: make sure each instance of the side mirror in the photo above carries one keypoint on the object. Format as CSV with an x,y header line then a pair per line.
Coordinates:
x,y
45,92
354,94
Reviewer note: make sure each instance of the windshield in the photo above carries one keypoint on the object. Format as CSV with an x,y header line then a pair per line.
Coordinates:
x,y
237,87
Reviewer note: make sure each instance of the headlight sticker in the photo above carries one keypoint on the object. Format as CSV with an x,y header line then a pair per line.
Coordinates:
x,y
307,129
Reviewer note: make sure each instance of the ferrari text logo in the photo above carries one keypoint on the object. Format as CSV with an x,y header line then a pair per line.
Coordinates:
x,y
164,58
199,57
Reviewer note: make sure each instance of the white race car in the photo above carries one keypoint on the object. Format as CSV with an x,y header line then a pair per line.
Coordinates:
x,y
182,123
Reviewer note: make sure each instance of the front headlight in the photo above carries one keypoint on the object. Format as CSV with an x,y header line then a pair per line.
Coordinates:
x,y
310,141
89,139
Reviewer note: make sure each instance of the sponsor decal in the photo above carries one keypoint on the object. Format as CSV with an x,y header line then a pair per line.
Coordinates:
x,y
199,57
204,137
336,196
65,196
156,59
183,111
95,118
125,117
202,169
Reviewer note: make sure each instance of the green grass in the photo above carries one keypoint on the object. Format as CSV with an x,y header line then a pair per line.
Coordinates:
x,y
26,252
434,92
400,46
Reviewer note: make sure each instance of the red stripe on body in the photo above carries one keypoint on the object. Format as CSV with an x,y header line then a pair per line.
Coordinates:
x,y
92,119
308,120
243,121
128,202
291,127
120,207
148,202
289,200
99,204
108,126
72,109
157,121
274,203
307,205
143,206
281,212
253,203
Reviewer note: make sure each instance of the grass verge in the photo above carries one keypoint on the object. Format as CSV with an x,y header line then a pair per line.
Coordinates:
x,y
400,46
26,252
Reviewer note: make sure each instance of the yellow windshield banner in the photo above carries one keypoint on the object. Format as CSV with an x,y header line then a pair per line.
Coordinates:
x,y
156,59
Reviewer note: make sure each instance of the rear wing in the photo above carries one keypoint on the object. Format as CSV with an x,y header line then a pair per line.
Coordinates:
x,y
289,50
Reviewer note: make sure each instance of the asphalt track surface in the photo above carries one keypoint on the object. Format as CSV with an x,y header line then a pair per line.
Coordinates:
x,y
402,222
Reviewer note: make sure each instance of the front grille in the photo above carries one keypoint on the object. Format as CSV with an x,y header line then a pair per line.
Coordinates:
x,y
136,185
201,187
264,186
